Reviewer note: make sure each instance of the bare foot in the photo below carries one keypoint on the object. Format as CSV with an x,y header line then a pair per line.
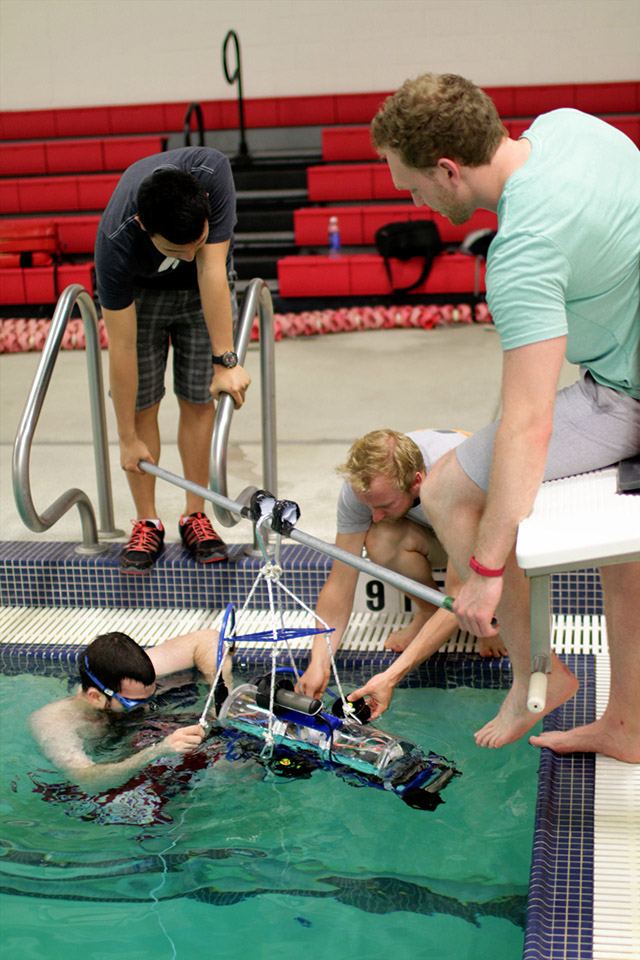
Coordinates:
x,y
399,640
514,720
598,737
491,647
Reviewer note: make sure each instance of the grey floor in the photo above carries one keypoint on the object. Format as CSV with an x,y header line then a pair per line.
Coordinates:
x,y
330,389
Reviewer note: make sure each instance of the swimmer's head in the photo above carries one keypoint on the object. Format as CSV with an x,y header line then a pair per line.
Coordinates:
x,y
114,659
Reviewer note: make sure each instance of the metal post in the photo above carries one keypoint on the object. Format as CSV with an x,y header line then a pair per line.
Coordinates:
x,y
540,643
231,78
257,298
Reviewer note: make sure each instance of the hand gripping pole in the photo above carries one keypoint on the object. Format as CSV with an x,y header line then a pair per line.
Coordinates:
x,y
287,514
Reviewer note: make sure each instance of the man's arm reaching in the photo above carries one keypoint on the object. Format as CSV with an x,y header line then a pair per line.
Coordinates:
x,y
334,607
54,729
433,634
198,649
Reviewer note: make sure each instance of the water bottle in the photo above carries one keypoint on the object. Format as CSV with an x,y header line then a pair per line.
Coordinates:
x,y
334,237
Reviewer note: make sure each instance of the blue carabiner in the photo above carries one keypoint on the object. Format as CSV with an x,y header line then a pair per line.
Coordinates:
x,y
229,614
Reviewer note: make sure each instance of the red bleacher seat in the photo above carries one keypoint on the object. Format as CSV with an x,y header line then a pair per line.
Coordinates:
x,y
11,260
608,97
30,268
29,236
22,159
83,122
78,234
365,275
73,156
40,195
40,285
9,202
66,235
311,224
358,107
47,194
358,224
362,181
120,152
94,190
347,143
349,108
354,143
76,156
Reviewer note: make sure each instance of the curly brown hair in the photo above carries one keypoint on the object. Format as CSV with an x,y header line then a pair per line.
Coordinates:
x,y
438,115
394,455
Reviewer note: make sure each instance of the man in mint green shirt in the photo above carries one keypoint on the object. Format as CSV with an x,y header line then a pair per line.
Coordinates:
x,y
563,278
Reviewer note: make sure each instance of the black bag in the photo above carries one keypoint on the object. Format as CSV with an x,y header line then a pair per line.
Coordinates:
x,y
406,239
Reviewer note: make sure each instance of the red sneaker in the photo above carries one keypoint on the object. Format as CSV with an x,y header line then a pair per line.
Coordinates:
x,y
144,547
201,540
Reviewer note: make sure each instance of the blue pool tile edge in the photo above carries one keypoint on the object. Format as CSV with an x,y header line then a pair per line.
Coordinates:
x,y
53,574
441,670
560,905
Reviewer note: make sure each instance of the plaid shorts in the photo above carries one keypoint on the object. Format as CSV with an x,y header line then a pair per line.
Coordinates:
x,y
174,317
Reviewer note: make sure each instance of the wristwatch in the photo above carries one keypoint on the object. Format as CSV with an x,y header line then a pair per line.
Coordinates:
x,y
228,359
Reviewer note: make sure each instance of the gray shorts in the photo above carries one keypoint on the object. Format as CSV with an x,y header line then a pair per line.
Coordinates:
x,y
593,427
174,316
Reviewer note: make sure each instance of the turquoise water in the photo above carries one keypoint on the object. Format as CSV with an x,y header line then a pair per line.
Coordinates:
x,y
253,866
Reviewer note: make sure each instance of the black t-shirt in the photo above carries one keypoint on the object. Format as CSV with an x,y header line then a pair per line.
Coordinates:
x,y
124,255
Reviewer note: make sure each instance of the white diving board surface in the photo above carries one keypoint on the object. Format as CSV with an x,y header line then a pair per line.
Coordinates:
x,y
580,520
576,522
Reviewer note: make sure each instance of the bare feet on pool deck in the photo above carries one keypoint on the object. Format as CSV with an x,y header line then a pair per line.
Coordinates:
x,y
598,737
399,640
491,647
514,720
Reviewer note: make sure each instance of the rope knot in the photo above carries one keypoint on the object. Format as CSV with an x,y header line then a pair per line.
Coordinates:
x,y
272,571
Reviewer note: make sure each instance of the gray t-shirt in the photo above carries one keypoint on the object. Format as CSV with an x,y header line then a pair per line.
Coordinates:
x,y
355,517
124,255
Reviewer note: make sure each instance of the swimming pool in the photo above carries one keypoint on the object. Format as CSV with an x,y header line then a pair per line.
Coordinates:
x,y
250,864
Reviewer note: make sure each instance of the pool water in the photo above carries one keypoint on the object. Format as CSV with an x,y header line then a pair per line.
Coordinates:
x,y
250,865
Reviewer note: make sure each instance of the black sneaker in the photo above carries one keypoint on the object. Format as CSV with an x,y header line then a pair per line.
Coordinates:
x,y
145,545
201,540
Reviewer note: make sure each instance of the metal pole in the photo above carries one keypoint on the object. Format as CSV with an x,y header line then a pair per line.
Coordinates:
x,y
257,298
108,529
366,566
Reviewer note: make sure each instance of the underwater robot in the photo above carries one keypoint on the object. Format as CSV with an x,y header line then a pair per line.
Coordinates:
x,y
302,737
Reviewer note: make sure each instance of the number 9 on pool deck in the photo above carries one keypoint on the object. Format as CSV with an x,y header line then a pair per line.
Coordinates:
x,y
374,596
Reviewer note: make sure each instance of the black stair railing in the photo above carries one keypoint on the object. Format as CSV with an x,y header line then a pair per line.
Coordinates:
x,y
231,78
197,109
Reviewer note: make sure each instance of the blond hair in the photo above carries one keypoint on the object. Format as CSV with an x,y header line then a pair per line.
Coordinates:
x,y
394,455
438,115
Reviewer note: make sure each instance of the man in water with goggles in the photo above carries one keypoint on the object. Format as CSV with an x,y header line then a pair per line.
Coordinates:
x,y
117,676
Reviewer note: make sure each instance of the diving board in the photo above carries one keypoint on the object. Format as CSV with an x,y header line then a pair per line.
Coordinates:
x,y
576,522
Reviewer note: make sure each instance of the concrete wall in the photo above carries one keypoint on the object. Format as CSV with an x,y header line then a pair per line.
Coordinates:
x,y
59,53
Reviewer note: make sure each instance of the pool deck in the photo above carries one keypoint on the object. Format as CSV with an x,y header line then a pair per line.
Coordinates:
x,y
329,390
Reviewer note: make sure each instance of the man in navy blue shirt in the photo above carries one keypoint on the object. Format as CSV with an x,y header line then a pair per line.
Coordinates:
x,y
164,262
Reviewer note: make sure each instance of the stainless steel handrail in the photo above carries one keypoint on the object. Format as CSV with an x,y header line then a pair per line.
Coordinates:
x,y
29,421
257,298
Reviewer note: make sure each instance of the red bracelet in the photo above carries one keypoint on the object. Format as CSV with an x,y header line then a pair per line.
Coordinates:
x,y
484,571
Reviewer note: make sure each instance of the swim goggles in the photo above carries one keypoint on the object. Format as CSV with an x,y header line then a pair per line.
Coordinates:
x,y
127,702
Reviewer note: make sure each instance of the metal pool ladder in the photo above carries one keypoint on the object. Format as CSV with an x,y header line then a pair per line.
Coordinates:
x,y
29,421
257,298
